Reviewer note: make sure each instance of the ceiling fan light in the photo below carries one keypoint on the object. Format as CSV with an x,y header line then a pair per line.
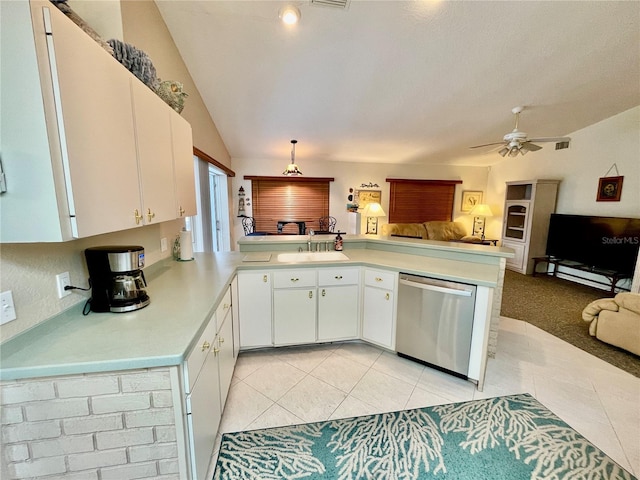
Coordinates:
x,y
513,151
503,151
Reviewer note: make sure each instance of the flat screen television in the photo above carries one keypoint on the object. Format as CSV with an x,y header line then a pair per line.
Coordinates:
x,y
608,243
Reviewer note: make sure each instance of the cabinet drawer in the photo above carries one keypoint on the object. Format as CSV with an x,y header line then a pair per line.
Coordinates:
x,y
338,276
379,278
294,278
224,307
517,262
198,355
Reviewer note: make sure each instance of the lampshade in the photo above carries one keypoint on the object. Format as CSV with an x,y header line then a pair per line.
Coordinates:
x,y
292,169
481,210
373,209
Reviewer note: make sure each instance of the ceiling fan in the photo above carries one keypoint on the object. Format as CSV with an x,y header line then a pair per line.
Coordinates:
x,y
517,142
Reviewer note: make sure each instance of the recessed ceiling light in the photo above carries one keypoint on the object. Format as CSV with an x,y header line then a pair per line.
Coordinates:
x,y
289,14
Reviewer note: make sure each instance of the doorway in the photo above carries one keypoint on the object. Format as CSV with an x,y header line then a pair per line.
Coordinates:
x,y
210,227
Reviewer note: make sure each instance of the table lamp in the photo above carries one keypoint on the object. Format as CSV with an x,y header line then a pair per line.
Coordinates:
x,y
372,211
480,213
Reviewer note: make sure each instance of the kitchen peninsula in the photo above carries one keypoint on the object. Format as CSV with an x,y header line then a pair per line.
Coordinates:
x,y
120,391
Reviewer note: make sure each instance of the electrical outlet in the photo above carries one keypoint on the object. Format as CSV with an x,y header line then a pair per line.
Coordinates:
x,y
62,280
7,310
163,244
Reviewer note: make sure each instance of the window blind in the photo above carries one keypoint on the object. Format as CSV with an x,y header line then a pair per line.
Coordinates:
x,y
289,199
417,201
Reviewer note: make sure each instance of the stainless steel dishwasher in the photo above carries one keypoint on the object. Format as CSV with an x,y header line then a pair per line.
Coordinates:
x,y
435,322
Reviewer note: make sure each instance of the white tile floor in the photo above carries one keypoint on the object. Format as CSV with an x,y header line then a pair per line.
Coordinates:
x,y
307,384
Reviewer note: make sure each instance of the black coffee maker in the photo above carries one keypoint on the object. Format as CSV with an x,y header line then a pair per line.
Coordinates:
x,y
116,278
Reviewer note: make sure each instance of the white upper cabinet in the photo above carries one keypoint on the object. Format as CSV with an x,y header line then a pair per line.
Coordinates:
x,y
155,154
183,166
82,154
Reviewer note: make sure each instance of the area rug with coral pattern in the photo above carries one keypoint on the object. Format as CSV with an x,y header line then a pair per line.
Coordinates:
x,y
510,437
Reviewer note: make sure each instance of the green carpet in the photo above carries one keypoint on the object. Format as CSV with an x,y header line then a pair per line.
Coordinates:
x,y
511,437
555,305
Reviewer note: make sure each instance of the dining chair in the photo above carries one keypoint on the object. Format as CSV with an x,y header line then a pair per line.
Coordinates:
x,y
249,225
327,224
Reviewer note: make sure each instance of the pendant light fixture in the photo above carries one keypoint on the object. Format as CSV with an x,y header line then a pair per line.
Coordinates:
x,y
292,169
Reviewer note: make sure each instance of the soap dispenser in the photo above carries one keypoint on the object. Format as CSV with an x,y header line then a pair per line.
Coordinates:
x,y
337,244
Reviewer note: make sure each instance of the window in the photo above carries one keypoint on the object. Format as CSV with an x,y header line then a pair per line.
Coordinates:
x,y
289,199
417,201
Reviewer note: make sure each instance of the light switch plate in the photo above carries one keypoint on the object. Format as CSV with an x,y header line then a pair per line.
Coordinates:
x,y
7,309
163,244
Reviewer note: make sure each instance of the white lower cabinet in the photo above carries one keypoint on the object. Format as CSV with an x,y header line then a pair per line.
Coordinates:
x,y
254,308
338,303
203,408
226,359
294,306
379,308
208,370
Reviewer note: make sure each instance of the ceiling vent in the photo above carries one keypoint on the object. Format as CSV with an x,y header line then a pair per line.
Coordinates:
x,y
562,145
343,4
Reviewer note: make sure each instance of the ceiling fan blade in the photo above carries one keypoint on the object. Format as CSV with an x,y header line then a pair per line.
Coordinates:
x,y
488,144
550,139
530,147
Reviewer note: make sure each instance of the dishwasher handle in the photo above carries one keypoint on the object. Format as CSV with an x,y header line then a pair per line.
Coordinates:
x,y
436,288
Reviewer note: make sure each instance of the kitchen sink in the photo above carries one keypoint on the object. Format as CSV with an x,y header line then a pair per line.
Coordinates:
x,y
312,257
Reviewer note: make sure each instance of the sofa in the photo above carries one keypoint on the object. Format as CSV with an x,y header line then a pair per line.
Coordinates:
x,y
616,321
436,230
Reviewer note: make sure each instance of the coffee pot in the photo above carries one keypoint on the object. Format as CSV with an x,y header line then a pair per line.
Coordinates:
x,y
116,278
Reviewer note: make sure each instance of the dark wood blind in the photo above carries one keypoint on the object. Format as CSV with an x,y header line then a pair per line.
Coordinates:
x,y
289,199
416,201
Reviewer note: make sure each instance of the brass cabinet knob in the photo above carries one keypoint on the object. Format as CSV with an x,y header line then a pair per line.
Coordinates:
x,y
181,210
386,297
150,215
295,279
137,216
338,277
310,293
378,279
216,350
221,340
264,279
324,292
205,346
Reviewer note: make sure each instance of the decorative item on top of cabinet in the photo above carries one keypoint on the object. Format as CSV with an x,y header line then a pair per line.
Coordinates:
x,y
171,92
527,210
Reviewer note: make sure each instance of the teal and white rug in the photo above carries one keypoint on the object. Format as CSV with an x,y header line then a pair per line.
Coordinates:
x,y
512,437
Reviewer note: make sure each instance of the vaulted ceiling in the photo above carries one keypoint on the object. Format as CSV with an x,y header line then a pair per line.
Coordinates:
x,y
405,81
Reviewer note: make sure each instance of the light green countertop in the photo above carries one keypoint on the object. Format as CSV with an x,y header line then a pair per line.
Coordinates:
x,y
184,295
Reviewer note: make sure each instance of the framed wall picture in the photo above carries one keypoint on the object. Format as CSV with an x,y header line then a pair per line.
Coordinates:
x,y
364,197
470,199
609,189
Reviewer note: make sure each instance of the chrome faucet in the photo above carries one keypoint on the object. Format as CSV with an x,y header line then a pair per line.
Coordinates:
x,y
311,233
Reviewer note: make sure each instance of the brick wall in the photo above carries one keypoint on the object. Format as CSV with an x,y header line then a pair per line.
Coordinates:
x,y
115,426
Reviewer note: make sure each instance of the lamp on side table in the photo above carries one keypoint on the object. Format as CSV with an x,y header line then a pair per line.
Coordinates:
x,y
480,212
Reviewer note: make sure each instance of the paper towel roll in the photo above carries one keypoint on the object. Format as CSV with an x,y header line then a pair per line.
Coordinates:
x,y
186,248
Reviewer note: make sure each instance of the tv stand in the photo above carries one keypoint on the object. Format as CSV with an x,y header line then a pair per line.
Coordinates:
x,y
613,276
